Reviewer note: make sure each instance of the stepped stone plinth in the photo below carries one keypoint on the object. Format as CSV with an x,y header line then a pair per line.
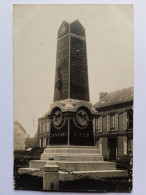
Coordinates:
x,y
86,161
71,154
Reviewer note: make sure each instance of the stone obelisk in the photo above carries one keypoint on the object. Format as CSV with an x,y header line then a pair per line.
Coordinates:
x,y
71,79
71,114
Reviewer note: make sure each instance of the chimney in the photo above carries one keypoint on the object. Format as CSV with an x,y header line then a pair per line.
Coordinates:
x,y
102,94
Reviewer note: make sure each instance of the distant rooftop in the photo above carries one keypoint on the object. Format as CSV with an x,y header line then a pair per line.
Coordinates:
x,y
17,123
115,97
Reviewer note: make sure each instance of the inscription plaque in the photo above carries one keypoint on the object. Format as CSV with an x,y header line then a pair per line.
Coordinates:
x,y
58,136
81,137
78,70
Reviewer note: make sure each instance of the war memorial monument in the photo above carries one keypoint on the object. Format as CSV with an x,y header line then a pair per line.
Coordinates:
x,y
71,153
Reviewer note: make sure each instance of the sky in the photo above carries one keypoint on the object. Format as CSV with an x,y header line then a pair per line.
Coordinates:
x,y
109,39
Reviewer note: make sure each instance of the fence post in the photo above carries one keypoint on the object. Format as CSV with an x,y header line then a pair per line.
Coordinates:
x,y
51,177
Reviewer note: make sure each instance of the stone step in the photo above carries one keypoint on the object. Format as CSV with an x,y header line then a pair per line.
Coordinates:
x,y
76,150
37,163
84,166
100,174
64,176
75,165
72,157
30,171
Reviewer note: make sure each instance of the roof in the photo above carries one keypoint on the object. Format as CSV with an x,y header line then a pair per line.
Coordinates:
x,y
17,123
115,97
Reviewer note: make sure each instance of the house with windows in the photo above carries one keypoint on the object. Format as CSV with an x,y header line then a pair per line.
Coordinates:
x,y
114,123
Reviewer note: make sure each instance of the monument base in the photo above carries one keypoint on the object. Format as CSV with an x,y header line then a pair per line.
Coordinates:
x,y
83,161
71,123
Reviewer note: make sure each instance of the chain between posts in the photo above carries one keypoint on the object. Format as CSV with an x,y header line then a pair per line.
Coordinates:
x,y
63,170
34,171
77,174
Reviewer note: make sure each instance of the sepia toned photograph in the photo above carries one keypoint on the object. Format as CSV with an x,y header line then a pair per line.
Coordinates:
x,y
73,97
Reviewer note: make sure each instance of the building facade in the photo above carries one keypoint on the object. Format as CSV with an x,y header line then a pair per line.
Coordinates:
x,y
43,131
114,124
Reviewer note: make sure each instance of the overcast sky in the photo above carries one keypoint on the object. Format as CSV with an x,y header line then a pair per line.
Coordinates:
x,y
109,35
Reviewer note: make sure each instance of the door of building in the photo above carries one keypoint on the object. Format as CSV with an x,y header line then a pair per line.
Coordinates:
x,y
112,144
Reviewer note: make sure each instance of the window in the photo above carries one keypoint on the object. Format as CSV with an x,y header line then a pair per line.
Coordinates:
x,y
47,126
41,126
44,126
130,119
130,146
125,120
125,145
112,122
98,124
44,142
108,122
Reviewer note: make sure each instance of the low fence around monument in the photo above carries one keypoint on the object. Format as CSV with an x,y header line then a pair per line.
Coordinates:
x,y
50,181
